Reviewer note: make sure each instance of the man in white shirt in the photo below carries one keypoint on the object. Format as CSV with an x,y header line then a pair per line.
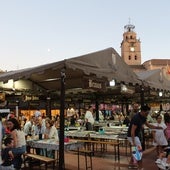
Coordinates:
x,y
28,127
89,119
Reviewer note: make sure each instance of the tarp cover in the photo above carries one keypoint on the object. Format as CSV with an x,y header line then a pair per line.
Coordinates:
x,y
102,64
158,79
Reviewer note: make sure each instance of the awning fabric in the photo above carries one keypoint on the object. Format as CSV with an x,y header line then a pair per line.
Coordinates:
x,y
103,64
158,79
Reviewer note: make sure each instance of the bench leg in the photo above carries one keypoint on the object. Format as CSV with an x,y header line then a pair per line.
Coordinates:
x,y
117,152
90,159
78,154
86,160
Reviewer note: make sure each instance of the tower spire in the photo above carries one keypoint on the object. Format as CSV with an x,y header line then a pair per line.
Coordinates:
x,y
129,27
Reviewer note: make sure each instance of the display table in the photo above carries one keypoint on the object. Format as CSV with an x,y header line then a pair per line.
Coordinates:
x,y
51,144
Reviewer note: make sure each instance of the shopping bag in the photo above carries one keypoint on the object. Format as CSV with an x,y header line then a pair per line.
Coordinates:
x,y
137,152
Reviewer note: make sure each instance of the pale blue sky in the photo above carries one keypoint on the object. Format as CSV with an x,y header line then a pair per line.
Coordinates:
x,y
36,32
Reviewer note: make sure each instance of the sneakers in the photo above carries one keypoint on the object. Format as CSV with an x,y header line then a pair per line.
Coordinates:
x,y
158,161
160,166
166,165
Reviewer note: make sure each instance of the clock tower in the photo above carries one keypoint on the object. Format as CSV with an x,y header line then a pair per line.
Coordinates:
x,y
130,46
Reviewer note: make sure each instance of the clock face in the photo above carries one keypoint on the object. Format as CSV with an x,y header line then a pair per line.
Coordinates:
x,y
132,49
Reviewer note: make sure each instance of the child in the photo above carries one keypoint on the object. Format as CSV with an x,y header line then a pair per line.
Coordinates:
x,y
163,162
159,135
7,155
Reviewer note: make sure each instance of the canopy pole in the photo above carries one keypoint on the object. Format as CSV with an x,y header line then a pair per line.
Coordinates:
x,y
97,108
61,133
48,108
16,109
142,96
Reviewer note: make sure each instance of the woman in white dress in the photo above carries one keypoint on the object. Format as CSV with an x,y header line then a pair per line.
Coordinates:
x,y
159,135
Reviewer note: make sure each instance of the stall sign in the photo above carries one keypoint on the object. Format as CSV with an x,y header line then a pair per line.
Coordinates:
x,y
34,104
28,98
92,83
4,110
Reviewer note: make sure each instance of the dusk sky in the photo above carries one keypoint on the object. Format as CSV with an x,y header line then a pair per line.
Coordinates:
x,y
36,32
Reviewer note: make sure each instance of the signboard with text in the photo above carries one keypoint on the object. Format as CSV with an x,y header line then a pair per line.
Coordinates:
x,y
94,83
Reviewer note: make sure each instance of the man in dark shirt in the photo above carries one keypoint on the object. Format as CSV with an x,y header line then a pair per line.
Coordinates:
x,y
136,126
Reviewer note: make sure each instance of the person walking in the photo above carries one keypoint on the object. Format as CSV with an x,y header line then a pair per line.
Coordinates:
x,y
136,125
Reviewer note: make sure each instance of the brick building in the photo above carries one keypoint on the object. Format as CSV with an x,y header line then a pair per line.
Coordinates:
x,y
131,53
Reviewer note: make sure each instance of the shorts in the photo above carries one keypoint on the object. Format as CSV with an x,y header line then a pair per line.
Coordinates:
x,y
11,167
137,140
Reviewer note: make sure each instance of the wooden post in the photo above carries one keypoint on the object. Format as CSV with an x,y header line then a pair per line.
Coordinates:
x,y
61,133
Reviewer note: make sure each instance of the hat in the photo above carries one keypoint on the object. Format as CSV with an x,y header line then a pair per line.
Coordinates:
x,y
145,108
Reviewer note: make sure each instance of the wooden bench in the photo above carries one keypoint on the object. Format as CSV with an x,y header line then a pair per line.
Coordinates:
x,y
87,153
41,158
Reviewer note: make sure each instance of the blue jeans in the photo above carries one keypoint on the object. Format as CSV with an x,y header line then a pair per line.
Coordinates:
x,y
19,150
17,161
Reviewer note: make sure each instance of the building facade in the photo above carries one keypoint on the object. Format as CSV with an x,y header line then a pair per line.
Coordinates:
x,y
130,46
131,53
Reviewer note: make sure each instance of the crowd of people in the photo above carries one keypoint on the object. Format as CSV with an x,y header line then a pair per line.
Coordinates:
x,y
15,133
159,125
14,138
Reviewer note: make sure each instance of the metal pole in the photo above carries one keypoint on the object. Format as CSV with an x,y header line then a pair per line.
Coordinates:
x,y
16,109
97,110
48,108
61,133
142,96
142,103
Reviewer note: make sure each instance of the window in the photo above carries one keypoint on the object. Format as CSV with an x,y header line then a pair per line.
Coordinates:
x,y
129,57
136,57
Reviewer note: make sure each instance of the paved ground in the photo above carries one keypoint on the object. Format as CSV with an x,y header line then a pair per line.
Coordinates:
x,y
106,161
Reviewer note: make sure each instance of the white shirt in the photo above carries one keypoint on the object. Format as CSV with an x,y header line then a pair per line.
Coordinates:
x,y
52,133
28,128
159,134
89,117
20,138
